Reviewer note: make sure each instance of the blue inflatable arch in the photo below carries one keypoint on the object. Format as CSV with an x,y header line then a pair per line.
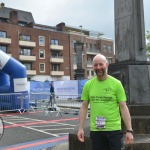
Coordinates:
x,y
13,78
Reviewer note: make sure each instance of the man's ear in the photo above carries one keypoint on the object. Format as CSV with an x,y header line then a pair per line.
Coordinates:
x,y
107,64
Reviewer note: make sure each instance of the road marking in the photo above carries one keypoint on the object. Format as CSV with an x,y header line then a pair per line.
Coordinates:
x,y
39,122
58,129
37,144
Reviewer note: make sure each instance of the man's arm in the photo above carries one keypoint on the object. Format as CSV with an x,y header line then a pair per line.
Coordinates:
x,y
127,120
82,117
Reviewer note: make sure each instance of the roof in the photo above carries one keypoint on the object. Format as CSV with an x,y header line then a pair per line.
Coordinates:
x,y
23,16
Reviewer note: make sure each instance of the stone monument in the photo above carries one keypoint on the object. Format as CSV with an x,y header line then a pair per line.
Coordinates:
x,y
131,66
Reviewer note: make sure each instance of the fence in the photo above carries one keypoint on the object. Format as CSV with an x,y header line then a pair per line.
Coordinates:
x,y
14,102
43,101
39,101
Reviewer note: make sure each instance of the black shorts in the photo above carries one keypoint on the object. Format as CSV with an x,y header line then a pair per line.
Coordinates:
x,y
107,140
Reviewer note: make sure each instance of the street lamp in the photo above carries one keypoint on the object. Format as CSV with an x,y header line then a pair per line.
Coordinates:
x,y
81,33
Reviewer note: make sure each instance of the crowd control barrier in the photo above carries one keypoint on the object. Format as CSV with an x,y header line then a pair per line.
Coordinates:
x,y
66,103
14,102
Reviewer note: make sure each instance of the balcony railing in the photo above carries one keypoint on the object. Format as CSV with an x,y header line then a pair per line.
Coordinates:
x,y
56,73
92,51
27,58
56,47
31,72
56,59
27,43
5,40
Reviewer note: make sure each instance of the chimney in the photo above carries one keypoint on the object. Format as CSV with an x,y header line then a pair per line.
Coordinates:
x,y
2,5
14,17
61,26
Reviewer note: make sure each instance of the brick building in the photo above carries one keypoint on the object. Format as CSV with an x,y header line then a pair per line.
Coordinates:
x,y
48,51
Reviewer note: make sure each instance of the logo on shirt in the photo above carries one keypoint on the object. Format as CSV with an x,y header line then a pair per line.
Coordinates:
x,y
107,90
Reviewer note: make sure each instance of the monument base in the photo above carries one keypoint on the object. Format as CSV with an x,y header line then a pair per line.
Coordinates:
x,y
140,115
135,77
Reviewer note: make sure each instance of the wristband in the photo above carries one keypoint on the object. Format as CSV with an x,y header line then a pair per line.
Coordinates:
x,y
130,131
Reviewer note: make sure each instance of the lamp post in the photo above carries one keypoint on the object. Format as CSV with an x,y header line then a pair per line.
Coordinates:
x,y
81,33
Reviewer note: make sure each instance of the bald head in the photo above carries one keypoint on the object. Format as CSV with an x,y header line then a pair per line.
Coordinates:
x,y
100,57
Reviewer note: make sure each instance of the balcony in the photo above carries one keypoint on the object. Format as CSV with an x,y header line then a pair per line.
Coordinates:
x,y
92,51
56,47
58,59
56,73
27,43
31,72
5,40
9,55
27,58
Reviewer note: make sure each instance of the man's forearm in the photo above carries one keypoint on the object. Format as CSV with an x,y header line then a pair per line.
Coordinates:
x,y
126,117
82,118
83,113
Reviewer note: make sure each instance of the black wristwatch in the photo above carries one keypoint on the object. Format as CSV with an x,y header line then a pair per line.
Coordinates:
x,y
130,131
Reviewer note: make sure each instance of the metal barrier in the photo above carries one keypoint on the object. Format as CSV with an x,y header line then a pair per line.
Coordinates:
x,y
14,102
66,103
40,101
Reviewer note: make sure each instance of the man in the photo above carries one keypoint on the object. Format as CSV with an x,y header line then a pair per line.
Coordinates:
x,y
52,95
107,100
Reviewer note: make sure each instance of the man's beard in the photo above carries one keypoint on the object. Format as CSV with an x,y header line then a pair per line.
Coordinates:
x,y
100,74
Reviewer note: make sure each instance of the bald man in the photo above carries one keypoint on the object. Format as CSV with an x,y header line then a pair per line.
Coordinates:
x,y
107,100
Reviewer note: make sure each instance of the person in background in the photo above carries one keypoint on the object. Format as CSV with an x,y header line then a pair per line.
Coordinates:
x,y
107,100
52,94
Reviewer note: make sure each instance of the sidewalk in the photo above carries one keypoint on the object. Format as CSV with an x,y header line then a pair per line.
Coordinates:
x,y
62,146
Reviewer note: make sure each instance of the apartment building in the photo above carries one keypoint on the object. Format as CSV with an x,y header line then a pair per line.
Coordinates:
x,y
48,51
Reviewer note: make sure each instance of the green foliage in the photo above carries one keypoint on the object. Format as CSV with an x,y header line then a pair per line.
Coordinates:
x,y
148,43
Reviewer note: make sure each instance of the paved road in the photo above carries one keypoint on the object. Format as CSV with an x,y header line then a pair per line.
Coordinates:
x,y
35,130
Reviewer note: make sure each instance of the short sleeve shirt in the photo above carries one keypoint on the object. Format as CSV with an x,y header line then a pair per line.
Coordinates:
x,y
104,97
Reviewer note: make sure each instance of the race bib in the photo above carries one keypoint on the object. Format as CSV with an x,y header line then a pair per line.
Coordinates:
x,y
100,122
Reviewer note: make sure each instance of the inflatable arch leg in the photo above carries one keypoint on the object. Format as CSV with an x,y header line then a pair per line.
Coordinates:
x,y
17,76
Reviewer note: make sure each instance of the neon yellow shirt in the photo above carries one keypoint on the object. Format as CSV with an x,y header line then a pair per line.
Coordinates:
x,y
104,97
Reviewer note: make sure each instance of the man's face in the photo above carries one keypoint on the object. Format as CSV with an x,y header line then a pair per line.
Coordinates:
x,y
100,67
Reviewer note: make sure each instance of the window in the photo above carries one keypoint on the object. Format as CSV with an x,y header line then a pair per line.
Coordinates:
x,y
91,46
92,73
3,48
109,48
95,46
25,37
21,23
109,60
88,72
42,67
55,54
87,45
41,41
104,48
73,42
55,67
54,42
26,52
28,66
2,34
41,53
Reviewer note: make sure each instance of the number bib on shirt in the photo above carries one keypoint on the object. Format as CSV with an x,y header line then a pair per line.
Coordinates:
x,y
100,122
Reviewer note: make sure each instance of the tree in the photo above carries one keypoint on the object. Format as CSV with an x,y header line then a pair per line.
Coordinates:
x,y
148,43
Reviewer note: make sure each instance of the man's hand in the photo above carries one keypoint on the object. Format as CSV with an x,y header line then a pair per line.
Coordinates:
x,y
80,135
129,138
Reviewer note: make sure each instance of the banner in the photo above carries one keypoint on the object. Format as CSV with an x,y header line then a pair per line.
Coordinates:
x,y
69,87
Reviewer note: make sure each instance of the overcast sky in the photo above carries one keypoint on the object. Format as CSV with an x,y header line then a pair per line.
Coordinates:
x,y
97,15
